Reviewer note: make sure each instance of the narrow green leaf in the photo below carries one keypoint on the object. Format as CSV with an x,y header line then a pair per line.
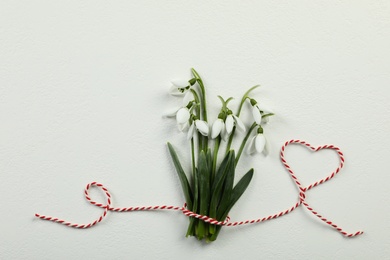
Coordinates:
x,y
182,176
209,157
204,192
238,190
227,187
222,170
204,183
195,206
218,184
194,221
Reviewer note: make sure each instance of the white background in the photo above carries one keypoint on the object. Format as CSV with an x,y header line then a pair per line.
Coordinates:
x,y
82,88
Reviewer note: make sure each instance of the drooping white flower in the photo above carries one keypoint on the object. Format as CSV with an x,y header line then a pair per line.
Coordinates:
x,y
224,134
199,125
256,114
257,144
183,115
231,121
217,128
257,110
179,87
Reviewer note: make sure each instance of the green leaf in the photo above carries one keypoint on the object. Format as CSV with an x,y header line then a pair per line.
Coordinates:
x,y
194,221
238,190
218,183
209,158
204,192
221,172
182,176
227,188
204,183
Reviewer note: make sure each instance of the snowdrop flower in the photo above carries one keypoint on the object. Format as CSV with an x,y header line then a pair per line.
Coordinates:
x,y
219,128
179,87
199,125
183,115
231,121
257,144
257,111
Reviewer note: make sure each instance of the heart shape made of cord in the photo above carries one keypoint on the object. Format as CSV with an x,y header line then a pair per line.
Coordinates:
x,y
302,190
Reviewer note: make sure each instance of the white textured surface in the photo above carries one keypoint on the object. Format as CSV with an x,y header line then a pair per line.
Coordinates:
x,y
82,88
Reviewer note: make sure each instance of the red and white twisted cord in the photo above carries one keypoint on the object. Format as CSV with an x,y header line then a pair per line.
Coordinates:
x,y
302,199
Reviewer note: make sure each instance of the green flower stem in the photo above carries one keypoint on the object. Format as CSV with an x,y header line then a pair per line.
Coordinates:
x,y
244,142
196,96
229,144
194,221
202,104
244,97
197,111
203,92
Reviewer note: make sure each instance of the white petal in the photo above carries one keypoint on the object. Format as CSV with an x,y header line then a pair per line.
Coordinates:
x,y
224,134
171,112
191,131
188,97
216,128
229,124
174,91
251,146
182,115
256,114
202,127
180,83
239,124
183,127
260,143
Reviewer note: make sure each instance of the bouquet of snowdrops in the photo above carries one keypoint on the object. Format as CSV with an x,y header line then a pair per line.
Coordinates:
x,y
209,190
